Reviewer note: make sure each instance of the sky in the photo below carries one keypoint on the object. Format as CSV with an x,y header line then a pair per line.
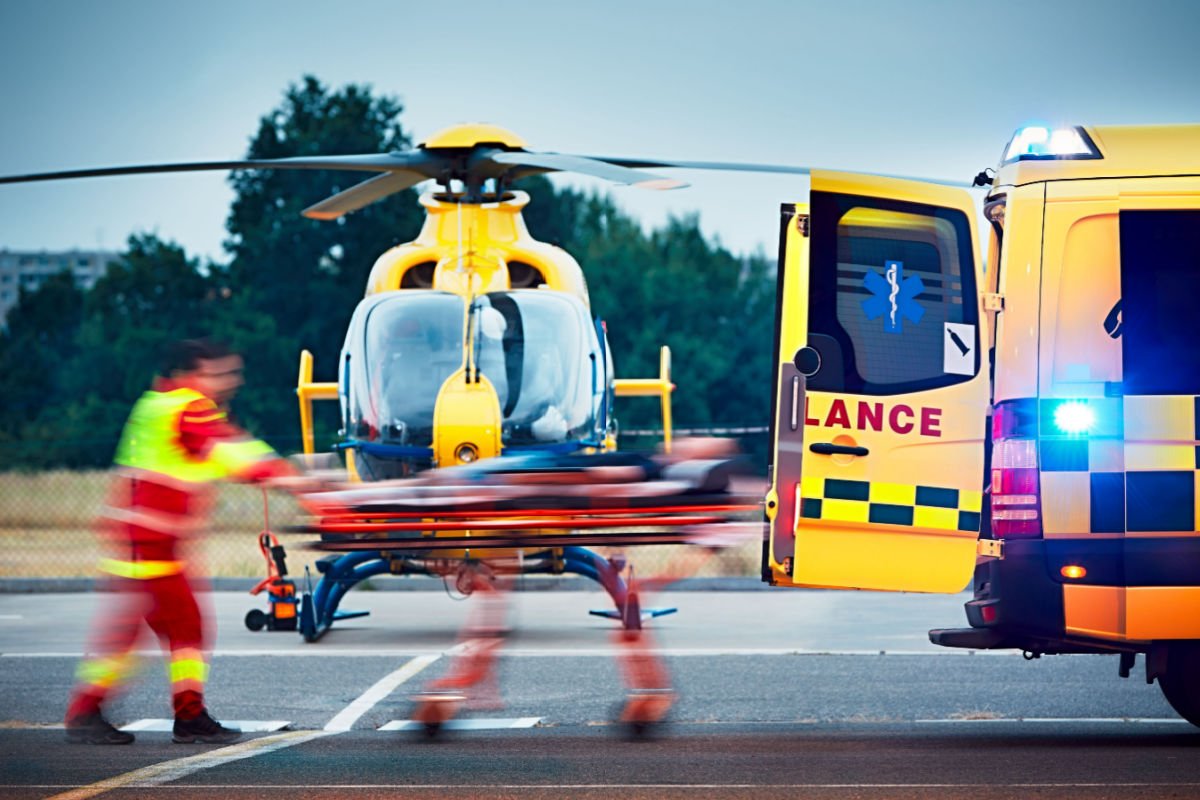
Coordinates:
x,y
928,88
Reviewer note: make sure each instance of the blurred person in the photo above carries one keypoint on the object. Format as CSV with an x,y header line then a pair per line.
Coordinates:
x,y
177,443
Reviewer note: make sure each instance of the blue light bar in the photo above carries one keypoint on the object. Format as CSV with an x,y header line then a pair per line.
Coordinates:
x,y
1038,142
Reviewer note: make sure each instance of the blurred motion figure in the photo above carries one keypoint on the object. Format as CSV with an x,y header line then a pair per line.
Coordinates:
x,y
177,443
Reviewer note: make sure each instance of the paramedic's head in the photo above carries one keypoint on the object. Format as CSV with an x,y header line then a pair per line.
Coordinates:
x,y
207,366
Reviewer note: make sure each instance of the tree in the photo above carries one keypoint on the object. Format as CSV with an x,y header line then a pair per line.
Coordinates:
x,y
715,310
40,335
106,354
301,276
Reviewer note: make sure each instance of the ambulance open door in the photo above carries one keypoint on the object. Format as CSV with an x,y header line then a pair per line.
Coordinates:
x,y
878,464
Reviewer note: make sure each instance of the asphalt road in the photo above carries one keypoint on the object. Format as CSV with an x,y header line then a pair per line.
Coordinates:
x,y
806,694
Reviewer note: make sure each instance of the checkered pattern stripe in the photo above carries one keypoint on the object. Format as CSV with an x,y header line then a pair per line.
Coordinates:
x,y
890,504
1138,472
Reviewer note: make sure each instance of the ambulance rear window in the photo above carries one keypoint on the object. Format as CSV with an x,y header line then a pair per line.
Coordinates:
x,y
892,295
1160,288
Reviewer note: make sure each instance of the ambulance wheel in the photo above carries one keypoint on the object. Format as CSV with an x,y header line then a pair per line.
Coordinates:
x,y
256,619
1181,681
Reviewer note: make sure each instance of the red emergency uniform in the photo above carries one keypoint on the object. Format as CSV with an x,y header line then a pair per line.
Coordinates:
x,y
176,444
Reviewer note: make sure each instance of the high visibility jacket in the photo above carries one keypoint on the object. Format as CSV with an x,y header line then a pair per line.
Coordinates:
x,y
175,445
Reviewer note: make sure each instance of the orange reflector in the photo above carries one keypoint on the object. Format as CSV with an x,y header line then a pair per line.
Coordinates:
x,y
1073,571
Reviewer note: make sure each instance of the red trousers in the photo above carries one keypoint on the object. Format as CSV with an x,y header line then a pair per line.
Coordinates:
x,y
168,606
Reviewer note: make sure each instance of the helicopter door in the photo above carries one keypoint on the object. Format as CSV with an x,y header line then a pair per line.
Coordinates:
x,y
889,495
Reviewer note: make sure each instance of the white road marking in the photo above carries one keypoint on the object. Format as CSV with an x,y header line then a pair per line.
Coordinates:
x,y
344,720
292,787
252,726
1141,720
243,725
483,724
317,651
167,771
12,616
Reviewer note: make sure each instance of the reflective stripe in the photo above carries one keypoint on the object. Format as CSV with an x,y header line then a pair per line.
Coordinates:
x,y
906,505
201,420
845,510
171,482
188,669
895,494
161,521
945,519
104,673
140,570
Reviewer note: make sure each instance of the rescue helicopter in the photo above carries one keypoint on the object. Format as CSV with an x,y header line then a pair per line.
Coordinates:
x,y
472,341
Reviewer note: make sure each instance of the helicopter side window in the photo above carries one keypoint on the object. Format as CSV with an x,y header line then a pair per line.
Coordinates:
x,y
524,276
419,276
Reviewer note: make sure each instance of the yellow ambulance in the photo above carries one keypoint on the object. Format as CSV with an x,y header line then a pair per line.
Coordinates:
x,y
1033,426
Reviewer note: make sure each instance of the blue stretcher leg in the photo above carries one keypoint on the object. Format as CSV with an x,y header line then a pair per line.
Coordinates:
x,y
319,608
590,564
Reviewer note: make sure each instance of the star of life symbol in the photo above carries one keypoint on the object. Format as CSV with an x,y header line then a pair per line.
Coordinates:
x,y
893,297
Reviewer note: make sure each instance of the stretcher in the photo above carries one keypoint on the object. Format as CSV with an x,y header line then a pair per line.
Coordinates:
x,y
527,514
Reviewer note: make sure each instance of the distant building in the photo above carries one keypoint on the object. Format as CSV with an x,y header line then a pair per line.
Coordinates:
x,y
31,270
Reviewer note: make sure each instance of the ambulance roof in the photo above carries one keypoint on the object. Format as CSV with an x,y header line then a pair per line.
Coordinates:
x,y
1125,151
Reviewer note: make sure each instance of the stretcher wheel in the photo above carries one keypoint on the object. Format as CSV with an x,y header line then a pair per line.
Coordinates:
x,y
645,711
434,709
256,619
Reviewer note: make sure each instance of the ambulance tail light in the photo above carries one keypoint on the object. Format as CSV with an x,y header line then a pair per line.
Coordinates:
x,y
1016,490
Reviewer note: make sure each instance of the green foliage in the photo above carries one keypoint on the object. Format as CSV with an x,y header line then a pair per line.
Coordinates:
x,y
300,278
40,336
71,363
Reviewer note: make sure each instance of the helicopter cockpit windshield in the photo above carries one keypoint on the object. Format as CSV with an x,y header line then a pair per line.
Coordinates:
x,y
401,350
540,350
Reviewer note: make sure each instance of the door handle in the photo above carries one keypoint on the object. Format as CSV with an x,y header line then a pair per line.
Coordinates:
x,y
829,449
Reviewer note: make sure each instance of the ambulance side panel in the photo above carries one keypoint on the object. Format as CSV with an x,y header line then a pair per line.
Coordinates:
x,y
1122,499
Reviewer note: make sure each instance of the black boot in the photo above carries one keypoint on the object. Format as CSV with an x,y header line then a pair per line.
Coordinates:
x,y
95,729
204,729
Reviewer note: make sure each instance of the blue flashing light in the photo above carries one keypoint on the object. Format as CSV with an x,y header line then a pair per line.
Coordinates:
x,y
1074,417
1043,142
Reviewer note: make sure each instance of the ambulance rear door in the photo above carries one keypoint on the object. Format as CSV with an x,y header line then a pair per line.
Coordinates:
x,y
884,287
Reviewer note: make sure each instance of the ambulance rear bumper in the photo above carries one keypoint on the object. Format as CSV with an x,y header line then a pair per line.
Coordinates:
x,y
970,638
1016,604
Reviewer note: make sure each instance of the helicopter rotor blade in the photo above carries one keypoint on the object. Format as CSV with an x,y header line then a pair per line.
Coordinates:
x,y
363,194
374,162
562,162
729,166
